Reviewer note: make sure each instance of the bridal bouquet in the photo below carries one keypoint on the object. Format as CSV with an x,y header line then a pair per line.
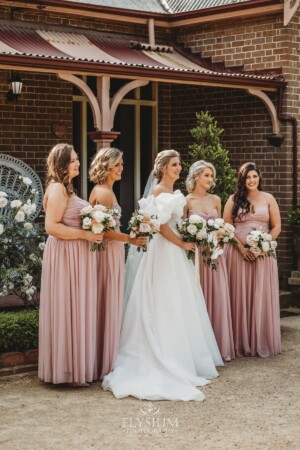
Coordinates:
x,y
193,229
99,219
142,224
260,243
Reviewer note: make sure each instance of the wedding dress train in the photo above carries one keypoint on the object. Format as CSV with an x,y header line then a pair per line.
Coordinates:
x,y
167,346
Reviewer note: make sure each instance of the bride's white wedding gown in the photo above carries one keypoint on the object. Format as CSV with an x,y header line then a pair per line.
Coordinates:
x,y
167,346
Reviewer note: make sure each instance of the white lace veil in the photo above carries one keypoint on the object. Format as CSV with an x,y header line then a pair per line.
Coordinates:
x,y
133,256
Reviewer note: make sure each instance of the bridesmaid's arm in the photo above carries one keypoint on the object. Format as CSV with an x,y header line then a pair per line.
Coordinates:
x,y
185,210
56,203
218,206
275,219
123,237
227,216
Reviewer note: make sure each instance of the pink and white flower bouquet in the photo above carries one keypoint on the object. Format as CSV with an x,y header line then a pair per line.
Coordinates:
x,y
193,229
210,235
143,224
219,234
260,243
99,219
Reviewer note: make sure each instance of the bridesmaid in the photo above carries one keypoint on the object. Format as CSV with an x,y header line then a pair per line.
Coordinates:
x,y
214,283
67,330
105,170
253,282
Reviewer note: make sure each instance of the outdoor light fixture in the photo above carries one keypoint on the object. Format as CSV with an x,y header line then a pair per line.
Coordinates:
x,y
15,88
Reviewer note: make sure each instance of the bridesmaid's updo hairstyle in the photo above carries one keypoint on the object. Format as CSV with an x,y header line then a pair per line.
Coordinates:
x,y
103,161
161,161
240,200
196,169
58,162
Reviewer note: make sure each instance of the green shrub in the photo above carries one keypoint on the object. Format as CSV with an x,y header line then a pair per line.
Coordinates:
x,y
19,330
294,216
208,146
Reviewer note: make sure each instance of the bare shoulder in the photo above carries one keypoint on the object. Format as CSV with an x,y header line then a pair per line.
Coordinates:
x,y
55,194
269,198
216,199
56,190
102,194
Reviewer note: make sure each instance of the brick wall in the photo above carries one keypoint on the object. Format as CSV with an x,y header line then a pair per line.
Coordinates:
x,y
25,127
38,18
246,124
256,44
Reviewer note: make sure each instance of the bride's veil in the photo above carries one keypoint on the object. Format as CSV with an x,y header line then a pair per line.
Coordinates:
x,y
133,256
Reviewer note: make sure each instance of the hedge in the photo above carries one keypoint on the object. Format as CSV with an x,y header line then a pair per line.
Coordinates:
x,y
19,330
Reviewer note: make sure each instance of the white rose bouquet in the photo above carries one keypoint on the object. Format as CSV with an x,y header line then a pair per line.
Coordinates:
x,y
193,229
142,224
219,233
99,219
260,243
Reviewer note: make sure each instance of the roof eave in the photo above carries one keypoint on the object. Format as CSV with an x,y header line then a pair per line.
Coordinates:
x,y
30,63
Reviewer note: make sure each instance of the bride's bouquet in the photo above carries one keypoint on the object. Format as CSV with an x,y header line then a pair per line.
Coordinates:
x,y
99,219
260,243
193,229
142,224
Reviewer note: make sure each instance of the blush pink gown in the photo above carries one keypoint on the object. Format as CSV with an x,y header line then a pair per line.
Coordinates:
x,y
215,289
111,269
254,294
67,331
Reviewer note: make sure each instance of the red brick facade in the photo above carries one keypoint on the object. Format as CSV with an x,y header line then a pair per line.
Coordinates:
x,y
260,43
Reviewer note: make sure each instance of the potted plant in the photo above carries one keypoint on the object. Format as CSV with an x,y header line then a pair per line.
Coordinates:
x,y
294,220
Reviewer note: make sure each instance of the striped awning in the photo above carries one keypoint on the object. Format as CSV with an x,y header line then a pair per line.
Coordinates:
x,y
118,55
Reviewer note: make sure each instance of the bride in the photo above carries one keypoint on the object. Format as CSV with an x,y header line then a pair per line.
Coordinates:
x,y
167,346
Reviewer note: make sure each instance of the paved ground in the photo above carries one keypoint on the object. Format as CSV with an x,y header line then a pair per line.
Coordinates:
x,y
254,404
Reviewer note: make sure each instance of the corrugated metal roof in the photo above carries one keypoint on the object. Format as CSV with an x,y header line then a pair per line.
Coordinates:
x,y
105,50
159,6
178,6
154,6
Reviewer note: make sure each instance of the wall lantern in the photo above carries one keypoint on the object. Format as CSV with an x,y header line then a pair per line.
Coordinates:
x,y
15,88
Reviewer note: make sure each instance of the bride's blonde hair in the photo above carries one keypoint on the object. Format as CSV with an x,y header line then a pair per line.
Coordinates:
x,y
161,161
196,169
103,161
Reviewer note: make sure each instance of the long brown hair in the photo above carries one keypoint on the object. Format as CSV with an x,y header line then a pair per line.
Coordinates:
x,y
58,162
240,200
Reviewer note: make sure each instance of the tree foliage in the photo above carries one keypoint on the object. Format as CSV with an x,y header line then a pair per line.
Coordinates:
x,y
207,146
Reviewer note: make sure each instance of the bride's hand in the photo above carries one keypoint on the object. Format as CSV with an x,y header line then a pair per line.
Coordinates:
x,y
188,246
139,241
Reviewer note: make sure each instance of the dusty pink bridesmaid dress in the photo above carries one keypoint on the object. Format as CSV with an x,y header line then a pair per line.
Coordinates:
x,y
67,331
254,294
215,289
111,268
